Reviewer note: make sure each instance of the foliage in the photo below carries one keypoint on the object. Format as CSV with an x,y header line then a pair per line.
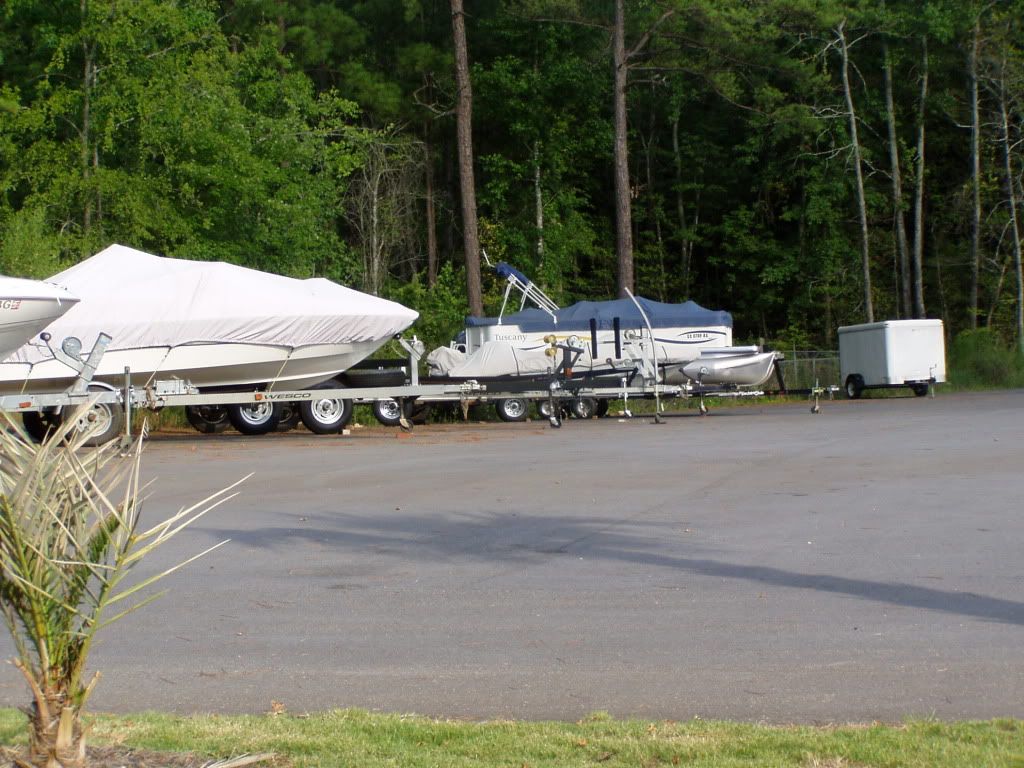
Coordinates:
x,y
981,359
220,129
442,307
69,536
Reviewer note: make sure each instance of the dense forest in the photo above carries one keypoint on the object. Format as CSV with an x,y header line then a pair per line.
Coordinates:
x,y
803,164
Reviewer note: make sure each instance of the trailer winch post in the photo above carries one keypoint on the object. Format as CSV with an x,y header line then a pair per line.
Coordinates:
x,y
654,358
127,407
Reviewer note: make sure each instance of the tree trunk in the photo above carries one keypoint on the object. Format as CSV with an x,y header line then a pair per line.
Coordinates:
x,y
1011,188
899,222
972,306
56,738
431,214
686,244
623,210
374,267
88,78
653,209
464,124
918,254
538,204
862,207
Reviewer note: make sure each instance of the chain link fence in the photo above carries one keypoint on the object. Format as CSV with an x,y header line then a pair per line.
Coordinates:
x,y
804,368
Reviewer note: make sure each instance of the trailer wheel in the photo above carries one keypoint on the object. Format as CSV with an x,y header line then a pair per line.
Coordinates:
x,y
103,421
207,419
389,413
854,386
323,415
38,424
583,408
920,390
602,407
544,408
420,412
512,409
254,418
289,417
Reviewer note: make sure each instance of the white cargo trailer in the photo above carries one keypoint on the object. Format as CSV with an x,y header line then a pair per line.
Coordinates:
x,y
892,353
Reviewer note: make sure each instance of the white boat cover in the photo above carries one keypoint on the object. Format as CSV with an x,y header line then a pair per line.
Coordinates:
x,y
493,358
142,300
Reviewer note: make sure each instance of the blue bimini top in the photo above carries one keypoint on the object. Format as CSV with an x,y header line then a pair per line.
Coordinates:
x,y
577,317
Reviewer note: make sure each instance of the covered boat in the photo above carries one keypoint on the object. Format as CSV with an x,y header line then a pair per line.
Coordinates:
x,y
212,324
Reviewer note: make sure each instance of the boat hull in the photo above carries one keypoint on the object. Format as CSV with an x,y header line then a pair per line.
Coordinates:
x,y
219,366
741,370
26,308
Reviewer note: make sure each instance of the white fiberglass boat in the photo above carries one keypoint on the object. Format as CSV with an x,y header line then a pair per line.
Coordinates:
x,y
213,325
26,308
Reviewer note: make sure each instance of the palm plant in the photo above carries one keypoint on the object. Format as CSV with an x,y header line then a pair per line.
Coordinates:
x,y
69,536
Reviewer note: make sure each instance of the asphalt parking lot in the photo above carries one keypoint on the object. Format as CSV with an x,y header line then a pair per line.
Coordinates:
x,y
760,563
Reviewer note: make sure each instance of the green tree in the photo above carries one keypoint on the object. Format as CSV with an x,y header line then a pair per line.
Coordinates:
x,y
146,127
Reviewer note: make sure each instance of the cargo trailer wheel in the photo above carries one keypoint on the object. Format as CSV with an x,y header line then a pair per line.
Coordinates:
x,y
854,386
512,409
255,418
324,415
208,419
602,407
389,412
920,390
583,408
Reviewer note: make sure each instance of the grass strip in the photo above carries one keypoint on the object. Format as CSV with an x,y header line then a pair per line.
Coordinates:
x,y
359,738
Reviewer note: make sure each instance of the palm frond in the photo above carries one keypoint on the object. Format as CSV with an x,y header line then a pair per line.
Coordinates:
x,y
69,520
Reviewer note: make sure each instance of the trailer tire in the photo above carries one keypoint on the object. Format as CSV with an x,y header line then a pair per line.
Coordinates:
x,y
326,416
254,418
512,409
920,390
207,419
544,407
583,408
420,412
854,386
103,421
602,407
390,414
38,424
289,417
